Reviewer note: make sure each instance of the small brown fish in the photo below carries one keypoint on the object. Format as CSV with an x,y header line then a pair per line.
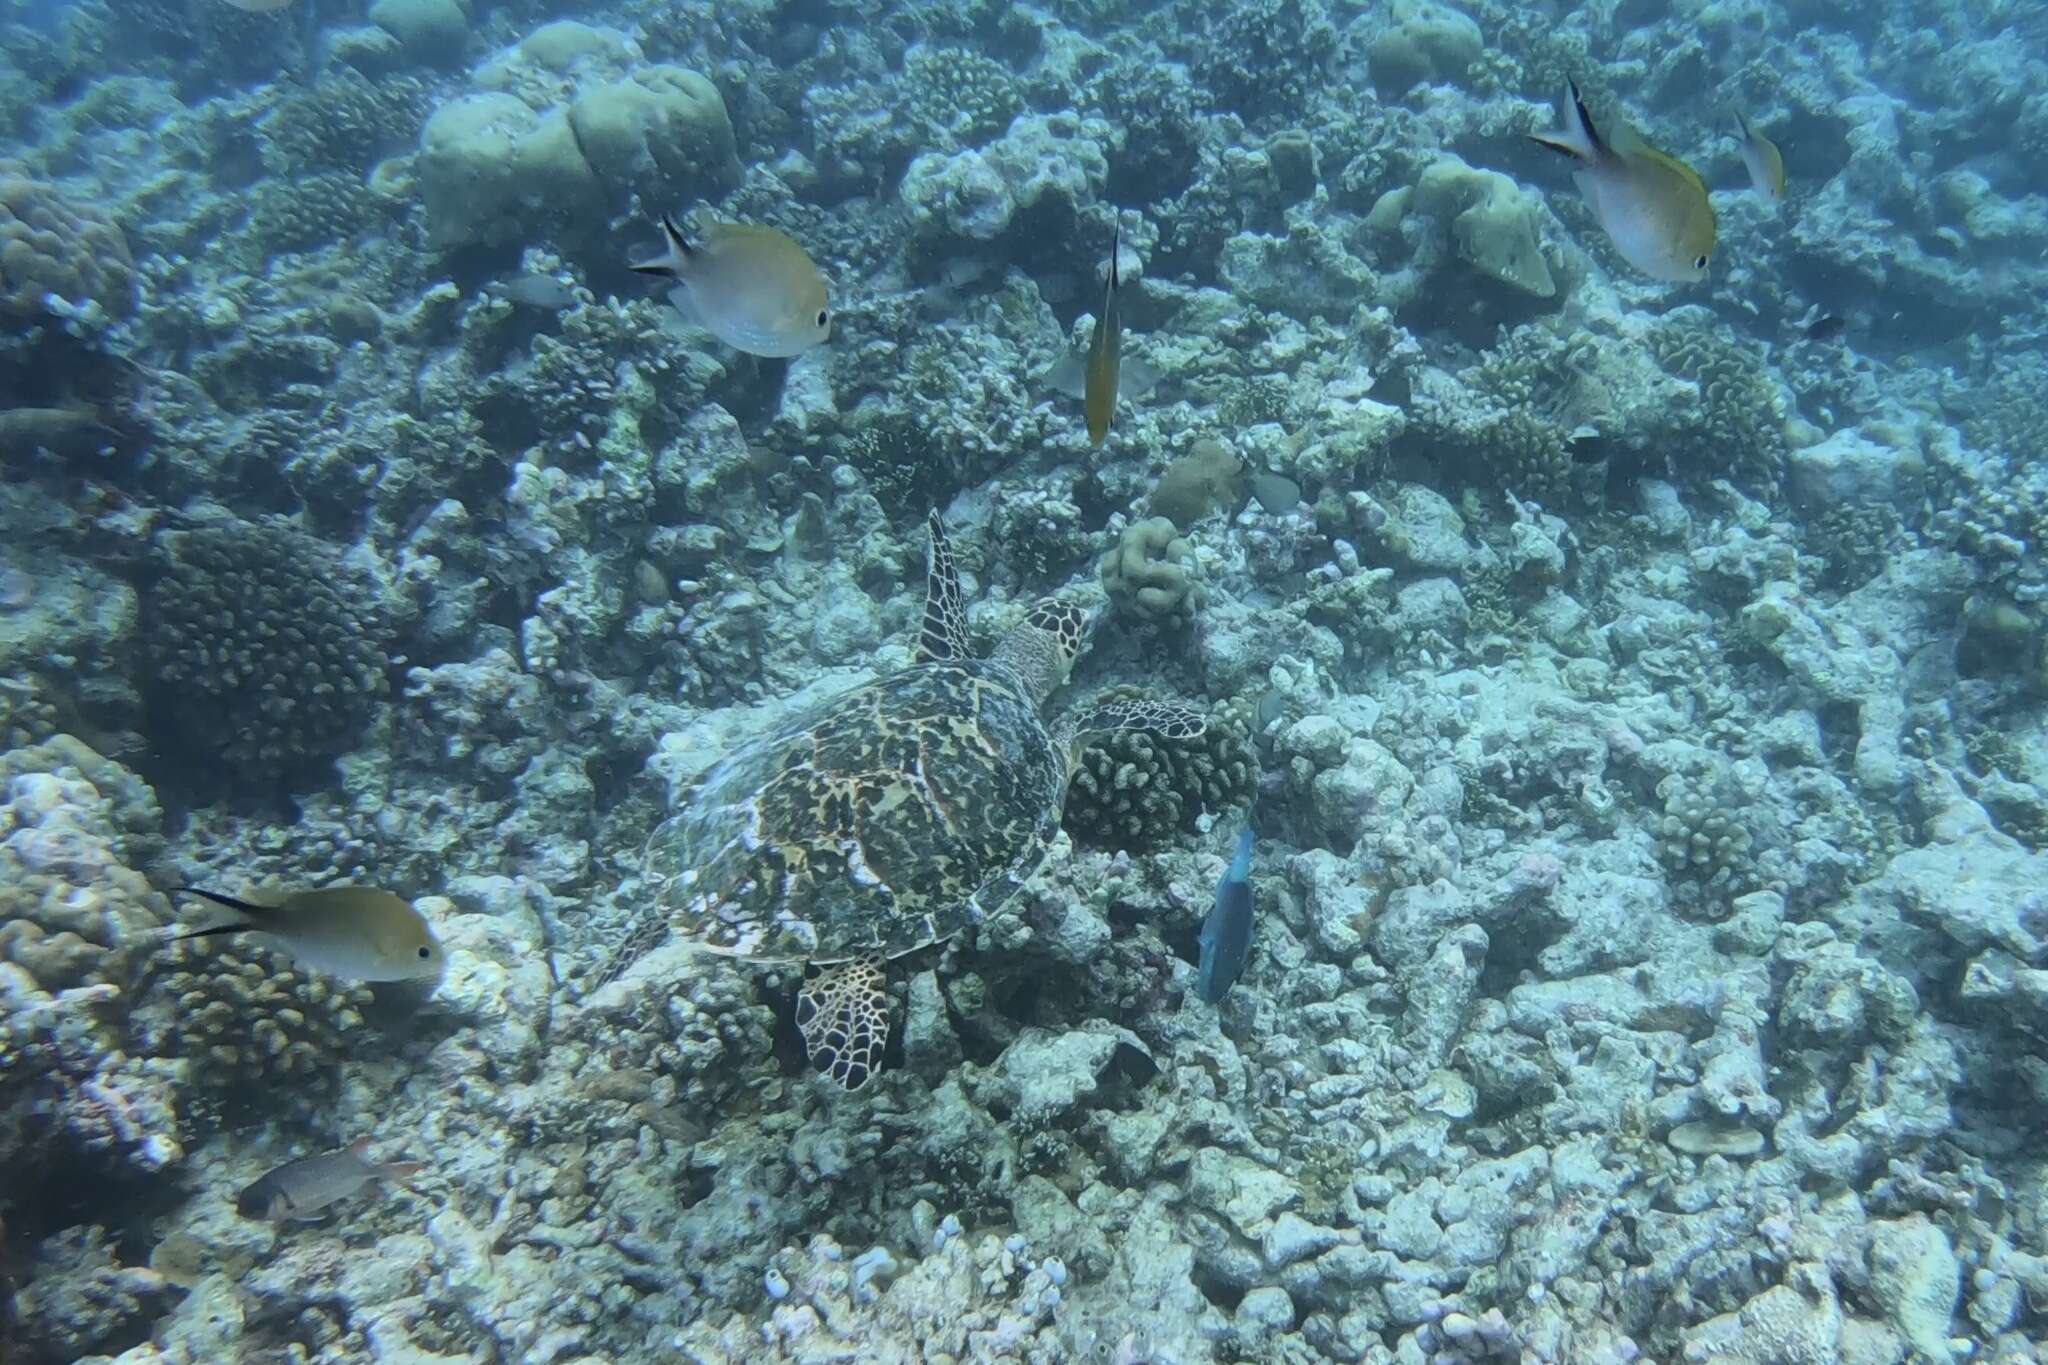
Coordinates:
x,y
1105,354
1823,326
304,1188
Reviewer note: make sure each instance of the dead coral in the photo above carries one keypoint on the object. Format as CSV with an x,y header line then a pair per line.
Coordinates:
x,y
1206,480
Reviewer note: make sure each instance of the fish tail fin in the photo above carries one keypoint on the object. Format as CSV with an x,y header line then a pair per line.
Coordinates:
x,y
1116,244
254,912
1244,848
179,936
676,250
1578,138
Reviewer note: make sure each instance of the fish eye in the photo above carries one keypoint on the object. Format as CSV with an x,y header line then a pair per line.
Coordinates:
x,y
1699,263
824,316
425,952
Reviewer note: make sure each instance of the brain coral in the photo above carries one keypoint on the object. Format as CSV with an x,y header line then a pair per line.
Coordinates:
x,y
267,652
53,245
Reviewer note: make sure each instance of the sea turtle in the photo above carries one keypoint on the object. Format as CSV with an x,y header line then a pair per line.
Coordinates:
x,y
889,817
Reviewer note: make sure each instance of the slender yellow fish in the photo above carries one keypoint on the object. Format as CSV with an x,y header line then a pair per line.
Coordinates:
x,y
1105,354
1765,162
1652,206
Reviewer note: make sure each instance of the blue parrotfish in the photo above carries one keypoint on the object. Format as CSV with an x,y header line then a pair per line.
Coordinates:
x,y
1227,934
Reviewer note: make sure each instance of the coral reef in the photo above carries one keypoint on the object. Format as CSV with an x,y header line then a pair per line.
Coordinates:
x,y
1737,428
1637,688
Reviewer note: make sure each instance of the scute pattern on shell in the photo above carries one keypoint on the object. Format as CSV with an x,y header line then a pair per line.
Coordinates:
x,y
876,824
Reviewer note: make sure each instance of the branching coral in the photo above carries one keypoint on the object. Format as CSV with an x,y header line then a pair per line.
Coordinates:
x,y
1255,399
962,94
690,1040
344,122
1134,790
1737,431
245,1013
905,468
1511,448
1701,835
1266,55
309,209
266,654
1490,426
1040,534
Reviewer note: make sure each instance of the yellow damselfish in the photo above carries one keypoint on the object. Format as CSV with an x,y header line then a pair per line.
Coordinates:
x,y
357,933
1765,162
1652,206
751,286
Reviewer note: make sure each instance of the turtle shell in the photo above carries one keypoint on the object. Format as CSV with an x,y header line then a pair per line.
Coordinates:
x,y
877,823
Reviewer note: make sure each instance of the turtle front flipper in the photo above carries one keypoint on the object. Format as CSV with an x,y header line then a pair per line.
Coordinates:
x,y
843,1014
944,632
1168,719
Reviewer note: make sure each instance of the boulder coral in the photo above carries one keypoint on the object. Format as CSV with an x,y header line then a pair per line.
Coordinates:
x,y
1492,225
1146,574
566,126
1426,42
58,252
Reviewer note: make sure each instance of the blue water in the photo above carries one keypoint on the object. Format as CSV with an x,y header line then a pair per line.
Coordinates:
x,y
803,743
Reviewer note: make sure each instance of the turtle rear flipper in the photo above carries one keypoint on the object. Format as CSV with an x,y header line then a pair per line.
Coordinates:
x,y
843,1014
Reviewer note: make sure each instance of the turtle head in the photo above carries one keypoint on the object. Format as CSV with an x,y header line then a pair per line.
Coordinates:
x,y
1043,646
